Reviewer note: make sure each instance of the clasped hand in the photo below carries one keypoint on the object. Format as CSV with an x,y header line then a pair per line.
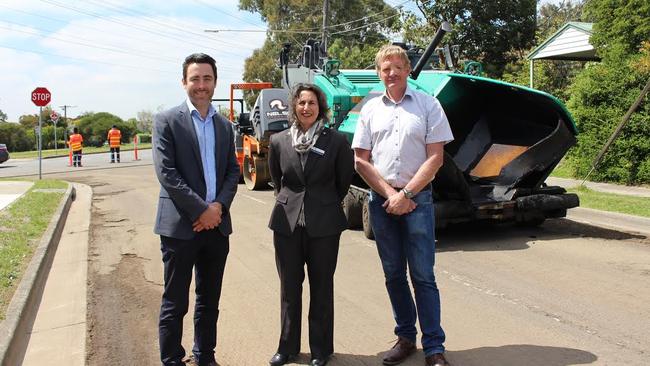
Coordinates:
x,y
398,204
209,219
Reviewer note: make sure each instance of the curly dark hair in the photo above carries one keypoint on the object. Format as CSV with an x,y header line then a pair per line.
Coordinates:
x,y
323,108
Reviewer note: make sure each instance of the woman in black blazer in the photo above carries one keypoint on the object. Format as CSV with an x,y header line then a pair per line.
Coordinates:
x,y
311,168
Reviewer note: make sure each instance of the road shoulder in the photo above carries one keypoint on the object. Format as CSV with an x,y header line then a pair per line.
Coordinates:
x,y
58,336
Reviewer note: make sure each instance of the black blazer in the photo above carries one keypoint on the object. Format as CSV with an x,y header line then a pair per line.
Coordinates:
x,y
322,185
177,161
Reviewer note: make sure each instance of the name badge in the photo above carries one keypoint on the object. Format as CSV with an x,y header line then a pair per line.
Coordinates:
x,y
318,151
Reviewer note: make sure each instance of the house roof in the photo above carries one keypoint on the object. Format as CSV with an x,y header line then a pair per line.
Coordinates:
x,y
570,42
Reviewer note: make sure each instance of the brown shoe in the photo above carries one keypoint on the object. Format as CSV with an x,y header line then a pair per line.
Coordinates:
x,y
436,359
191,361
400,351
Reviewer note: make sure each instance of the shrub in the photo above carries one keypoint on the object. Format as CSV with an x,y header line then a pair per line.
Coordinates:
x,y
144,138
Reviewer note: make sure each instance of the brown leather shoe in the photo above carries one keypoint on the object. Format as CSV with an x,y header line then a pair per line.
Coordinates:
x,y
400,351
436,359
191,361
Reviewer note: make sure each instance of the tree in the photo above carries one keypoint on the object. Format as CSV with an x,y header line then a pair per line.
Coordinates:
x,y
16,137
494,32
31,120
144,121
620,22
94,127
3,116
551,76
354,26
604,91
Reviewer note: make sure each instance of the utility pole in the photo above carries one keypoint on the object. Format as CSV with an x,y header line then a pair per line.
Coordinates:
x,y
65,119
326,10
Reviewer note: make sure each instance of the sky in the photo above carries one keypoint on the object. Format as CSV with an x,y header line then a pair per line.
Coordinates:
x,y
118,56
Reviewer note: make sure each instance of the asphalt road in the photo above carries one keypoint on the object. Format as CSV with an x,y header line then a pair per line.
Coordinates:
x,y
561,294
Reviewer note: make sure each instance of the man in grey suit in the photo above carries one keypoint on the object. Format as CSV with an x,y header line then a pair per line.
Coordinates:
x,y
194,159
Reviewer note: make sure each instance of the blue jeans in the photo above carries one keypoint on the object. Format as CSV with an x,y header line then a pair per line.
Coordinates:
x,y
409,240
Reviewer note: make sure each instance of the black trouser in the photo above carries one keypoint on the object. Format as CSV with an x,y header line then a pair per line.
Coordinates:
x,y
207,254
320,255
76,158
115,151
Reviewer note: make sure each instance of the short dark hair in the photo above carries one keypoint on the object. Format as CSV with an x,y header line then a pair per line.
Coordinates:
x,y
75,130
199,58
114,126
323,108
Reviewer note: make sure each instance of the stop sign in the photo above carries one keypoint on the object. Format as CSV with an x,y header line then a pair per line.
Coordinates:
x,y
41,97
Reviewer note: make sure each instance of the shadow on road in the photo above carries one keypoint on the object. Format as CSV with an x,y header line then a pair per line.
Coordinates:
x,y
521,354
509,355
485,237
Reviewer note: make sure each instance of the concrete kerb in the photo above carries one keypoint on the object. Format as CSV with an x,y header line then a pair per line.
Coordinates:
x,y
15,329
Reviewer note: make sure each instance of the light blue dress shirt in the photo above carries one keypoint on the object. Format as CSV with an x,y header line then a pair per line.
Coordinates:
x,y
205,134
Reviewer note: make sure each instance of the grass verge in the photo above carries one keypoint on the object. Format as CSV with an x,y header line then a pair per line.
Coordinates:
x,y
63,151
639,206
22,225
563,170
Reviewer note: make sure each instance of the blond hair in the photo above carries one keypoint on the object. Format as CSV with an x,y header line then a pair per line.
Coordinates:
x,y
388,51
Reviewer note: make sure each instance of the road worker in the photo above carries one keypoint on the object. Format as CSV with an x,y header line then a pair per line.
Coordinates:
x,y
76,143
114,137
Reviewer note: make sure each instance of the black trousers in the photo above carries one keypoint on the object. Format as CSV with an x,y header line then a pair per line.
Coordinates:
x,y
115,152
76,158
320,256
206,254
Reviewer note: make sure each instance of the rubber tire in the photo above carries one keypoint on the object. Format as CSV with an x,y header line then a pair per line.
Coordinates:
x,y
352,208
367,223
256,173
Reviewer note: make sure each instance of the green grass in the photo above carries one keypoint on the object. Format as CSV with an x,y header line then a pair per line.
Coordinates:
x,y
63,151
563,170
639,206
22,225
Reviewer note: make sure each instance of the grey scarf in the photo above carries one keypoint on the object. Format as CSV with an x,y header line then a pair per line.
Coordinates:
x,y
303,142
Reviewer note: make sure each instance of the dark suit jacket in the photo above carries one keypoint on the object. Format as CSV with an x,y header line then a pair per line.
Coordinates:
x,y
177,161
322,185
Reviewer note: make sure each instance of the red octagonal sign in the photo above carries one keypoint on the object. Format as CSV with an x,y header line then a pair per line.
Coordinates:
x,y
41,97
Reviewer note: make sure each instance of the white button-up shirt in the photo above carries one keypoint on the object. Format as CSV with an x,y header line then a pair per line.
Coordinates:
x,y
396,134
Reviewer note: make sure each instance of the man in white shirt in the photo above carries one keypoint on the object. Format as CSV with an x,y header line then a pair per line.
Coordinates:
x,y
398,146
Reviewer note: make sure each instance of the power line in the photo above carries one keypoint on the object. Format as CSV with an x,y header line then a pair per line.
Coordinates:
x,y
58,20
318,30
132,12
207,5
87,60
185,40
111,49
365,25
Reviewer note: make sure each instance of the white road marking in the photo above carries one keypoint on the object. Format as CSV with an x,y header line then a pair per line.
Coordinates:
x,y
253,198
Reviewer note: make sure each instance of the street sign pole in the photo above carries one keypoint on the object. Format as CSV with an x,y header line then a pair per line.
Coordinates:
x,y
40,140
55,118
55,147
40,97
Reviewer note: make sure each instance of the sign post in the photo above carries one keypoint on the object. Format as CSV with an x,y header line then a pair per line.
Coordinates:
x,y
55,117
40,97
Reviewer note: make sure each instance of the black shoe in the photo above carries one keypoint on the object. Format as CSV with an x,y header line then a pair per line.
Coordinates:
x,y
112,162
319,361
280,359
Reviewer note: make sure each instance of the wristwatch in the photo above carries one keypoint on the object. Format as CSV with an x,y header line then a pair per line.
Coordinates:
x,y
408,194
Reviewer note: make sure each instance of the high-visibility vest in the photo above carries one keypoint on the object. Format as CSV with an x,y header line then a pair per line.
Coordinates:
x,y
76,141
114,136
